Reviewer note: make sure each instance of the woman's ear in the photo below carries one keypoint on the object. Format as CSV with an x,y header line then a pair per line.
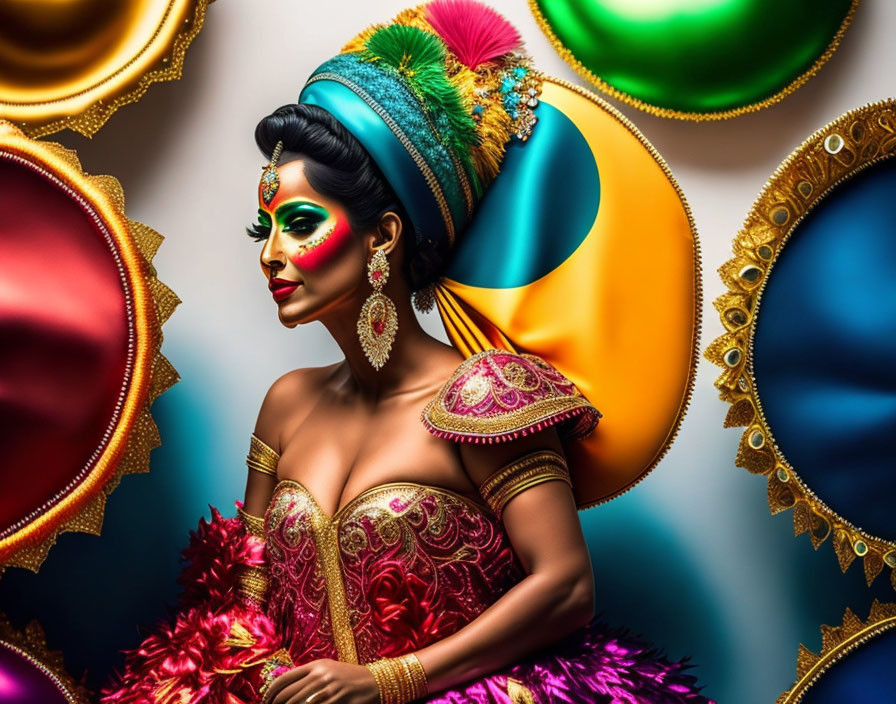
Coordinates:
x,y
389,232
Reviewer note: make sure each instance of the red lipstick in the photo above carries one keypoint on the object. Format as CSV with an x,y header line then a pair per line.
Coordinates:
x,y
282,288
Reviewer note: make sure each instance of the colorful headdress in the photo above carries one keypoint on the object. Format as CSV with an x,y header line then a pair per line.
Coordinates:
x,y
434,97
582,250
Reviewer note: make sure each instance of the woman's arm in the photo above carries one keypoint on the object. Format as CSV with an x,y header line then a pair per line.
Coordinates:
x,y
274,408
261,481
555,598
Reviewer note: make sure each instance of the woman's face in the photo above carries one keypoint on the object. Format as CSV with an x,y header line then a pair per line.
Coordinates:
x,y
312,260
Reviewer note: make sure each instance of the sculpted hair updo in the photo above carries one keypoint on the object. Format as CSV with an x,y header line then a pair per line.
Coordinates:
x,y
338,166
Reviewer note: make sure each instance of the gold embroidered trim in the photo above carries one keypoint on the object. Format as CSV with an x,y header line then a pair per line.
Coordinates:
x,y
829,157
521,474
326,536
508,422
262,458
254,525
479,386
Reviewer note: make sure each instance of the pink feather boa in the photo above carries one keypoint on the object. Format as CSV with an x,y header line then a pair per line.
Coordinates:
x,y
213,650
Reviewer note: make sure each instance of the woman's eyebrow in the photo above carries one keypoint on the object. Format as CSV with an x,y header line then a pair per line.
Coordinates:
x,y
286,211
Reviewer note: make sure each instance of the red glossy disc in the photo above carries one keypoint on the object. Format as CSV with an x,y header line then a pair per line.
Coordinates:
x,y
63,341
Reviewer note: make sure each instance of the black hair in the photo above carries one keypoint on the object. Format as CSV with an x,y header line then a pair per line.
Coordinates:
x,y
338,166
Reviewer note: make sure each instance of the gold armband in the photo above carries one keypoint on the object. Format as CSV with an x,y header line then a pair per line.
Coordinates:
x,y
262,458
521,474
399,680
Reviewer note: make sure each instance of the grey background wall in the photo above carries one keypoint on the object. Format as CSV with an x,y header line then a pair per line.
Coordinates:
x,y
691,559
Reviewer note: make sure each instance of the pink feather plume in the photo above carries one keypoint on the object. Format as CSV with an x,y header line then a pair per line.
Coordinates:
x,y
472,30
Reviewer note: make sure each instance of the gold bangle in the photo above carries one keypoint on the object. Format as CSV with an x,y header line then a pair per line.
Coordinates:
x,y
399,680
254,525
418,675
253,584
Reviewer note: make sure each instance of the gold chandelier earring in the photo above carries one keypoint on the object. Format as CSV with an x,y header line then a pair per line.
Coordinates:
x,y
378,322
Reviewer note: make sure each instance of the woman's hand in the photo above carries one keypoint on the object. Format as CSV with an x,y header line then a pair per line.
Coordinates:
x,y
325,682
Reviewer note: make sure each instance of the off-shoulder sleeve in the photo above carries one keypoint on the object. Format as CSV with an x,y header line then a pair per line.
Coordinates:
x,y
496,396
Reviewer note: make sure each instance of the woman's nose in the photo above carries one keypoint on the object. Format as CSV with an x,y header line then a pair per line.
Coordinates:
x,y
272,255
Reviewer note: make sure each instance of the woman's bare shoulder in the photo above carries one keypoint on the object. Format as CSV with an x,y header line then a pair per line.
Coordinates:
x,y
287,396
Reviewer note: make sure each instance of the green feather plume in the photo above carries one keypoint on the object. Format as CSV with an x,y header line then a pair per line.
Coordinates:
x,y
419,57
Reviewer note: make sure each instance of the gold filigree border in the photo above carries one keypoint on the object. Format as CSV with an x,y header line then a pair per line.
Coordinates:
x,y
31,645
833,154
90,119
127,451
837,642
651,109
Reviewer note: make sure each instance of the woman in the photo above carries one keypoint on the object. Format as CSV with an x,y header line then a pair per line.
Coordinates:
x,y
378,558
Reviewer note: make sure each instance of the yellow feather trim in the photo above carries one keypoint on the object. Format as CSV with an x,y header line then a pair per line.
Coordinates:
x,y
464,81
415,17
359,42
240,636
519,693
494,133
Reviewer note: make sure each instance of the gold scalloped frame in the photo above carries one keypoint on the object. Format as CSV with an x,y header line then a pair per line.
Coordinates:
x,y
586,73
837,642
128,448
63,113
31,645
867,135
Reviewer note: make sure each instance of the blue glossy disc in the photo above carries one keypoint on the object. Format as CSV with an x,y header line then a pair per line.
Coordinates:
x,y
825,350
865,676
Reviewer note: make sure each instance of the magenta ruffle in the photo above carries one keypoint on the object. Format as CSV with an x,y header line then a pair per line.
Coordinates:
x,y
195,659
593,665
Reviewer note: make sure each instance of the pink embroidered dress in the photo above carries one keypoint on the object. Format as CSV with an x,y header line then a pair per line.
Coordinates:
x,y
399,567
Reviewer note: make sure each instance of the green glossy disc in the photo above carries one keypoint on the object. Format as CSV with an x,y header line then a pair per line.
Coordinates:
x,y
697,59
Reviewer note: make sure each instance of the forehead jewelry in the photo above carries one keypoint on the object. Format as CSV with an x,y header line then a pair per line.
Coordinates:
x,y
270,182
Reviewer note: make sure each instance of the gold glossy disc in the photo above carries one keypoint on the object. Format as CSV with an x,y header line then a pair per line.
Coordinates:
x,y
72,63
